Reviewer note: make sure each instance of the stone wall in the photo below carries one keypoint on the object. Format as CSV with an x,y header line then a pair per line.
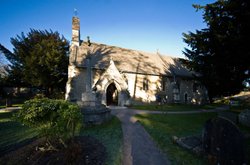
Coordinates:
x,y
76,84
138,91
181,90
136,88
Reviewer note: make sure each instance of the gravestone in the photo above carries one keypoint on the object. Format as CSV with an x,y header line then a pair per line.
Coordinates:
x,y
244,117
223,142
192,143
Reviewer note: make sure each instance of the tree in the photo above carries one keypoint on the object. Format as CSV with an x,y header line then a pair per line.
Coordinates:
x,y
220,52
39,59
3,66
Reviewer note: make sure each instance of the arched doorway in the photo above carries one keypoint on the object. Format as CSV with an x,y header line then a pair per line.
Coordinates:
x,y
112,95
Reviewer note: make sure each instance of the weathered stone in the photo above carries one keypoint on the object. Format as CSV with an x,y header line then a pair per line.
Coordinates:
x,y
95,115
93,111
192,143
222,140
189,142
244,117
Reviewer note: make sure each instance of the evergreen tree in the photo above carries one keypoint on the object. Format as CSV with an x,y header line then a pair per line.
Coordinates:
x,y
39,59
220,52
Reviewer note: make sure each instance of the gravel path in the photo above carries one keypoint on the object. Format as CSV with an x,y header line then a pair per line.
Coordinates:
x,y
138,147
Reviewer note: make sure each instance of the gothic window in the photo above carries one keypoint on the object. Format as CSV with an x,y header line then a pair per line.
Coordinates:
x,y
145,84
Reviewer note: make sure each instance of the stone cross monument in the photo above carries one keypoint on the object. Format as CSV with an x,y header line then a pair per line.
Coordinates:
x,y
93,111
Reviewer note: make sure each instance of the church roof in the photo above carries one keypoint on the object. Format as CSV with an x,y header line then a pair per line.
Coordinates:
x,y
127,60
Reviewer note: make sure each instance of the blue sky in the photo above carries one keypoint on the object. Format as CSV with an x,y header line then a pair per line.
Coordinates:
x,y
145,25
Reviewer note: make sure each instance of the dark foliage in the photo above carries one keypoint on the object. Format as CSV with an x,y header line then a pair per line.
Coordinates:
x,y
39,59
220,52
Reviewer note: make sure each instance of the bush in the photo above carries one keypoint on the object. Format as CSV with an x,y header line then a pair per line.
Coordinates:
x,y
56,120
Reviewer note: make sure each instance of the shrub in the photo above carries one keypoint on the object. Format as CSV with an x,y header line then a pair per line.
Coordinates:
x,y
56,120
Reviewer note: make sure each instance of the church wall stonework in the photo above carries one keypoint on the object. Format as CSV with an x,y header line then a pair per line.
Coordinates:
x,y
75,85
136,90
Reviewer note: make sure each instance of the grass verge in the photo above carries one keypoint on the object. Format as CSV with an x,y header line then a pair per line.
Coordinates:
x,y
174,107
110,134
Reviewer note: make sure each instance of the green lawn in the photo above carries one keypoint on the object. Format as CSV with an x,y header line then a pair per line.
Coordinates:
x,y
163,127
174,107
110,134
13,132
2,106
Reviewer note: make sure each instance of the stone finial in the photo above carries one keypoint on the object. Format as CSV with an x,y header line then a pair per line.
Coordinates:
x,y
88,41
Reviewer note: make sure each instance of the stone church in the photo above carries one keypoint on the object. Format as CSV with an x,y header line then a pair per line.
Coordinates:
x,y
119,76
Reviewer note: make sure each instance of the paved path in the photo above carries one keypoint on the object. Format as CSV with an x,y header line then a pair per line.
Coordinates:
x,y
9,109
138,147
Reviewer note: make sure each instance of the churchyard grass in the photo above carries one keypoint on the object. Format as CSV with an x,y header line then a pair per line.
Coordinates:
x,y
110,134
174,107
163,127
13,133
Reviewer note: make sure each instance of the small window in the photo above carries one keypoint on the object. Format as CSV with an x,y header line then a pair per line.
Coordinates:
x,y
145,84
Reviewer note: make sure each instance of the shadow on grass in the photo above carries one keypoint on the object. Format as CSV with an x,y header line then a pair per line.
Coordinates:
x,y
13,135
110,134
175,107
